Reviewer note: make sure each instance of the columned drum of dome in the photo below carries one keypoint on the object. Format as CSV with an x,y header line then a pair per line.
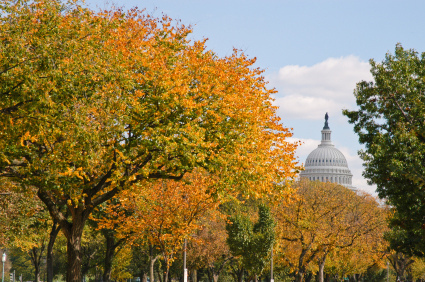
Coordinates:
x,y
326,163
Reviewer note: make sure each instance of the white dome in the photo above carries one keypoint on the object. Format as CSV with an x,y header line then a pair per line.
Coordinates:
x,y
326,163
326,155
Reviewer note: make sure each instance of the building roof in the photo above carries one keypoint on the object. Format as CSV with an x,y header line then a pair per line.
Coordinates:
x,y
327,163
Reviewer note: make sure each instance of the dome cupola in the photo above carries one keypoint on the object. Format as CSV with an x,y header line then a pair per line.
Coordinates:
x,y
326,163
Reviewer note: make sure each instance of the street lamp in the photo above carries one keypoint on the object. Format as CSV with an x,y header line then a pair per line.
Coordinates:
x,y
184,261
271,265
3,259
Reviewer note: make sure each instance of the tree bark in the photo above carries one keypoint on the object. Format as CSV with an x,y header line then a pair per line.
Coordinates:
x,y
194,275
159,275
52,238
73,270
152,260
73,229
300,276
400,263
35,256
111,251
109,255
322,267
240,276
165,279
36,260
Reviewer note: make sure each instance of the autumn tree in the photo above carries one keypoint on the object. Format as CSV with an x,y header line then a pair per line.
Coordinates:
x,y
92,103
209,249
24,223
322,218
164,213
418,269
390,123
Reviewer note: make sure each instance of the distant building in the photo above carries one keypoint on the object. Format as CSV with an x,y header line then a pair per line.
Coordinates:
x,y
326,163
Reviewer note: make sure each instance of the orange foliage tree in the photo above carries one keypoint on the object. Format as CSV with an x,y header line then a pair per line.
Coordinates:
x,y
209,249
164,212
92,103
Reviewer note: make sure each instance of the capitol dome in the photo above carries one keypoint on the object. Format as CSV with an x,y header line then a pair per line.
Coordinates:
x,y
326,163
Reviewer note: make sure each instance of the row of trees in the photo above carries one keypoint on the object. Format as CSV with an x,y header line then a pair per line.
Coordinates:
x,y
323,230
114,125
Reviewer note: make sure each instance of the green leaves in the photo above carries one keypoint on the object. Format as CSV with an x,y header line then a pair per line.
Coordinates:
x,y
390,122
251,242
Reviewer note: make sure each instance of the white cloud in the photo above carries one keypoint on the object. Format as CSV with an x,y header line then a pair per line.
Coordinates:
x,y
305,91
307,145
306,107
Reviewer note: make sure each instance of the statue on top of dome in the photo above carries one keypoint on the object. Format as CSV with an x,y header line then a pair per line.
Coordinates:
x,y
326,121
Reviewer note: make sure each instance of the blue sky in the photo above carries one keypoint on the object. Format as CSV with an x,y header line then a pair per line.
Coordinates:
x,y
313,52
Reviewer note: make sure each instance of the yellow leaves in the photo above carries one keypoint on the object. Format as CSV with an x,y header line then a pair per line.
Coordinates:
x,y
71,172
164,211
27,137
326,216
126,96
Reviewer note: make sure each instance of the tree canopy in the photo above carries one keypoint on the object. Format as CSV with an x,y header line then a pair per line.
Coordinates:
x,y
390,122
93,102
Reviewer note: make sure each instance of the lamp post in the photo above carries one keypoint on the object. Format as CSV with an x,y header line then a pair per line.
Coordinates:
x,y
271,265
3,259
184,262
388,271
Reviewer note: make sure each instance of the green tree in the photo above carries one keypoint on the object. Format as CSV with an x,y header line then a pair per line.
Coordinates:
x,y
390,123
251,242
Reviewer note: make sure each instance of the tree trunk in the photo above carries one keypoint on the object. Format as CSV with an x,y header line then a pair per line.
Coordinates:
x,y
240,276
109,256
309,277
73,269
159,275
36,269
322,267
73,231
327,278
166,273
145,277
215,277
151,269
53,234
35,255
194,275
300,276
111,250
152,260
